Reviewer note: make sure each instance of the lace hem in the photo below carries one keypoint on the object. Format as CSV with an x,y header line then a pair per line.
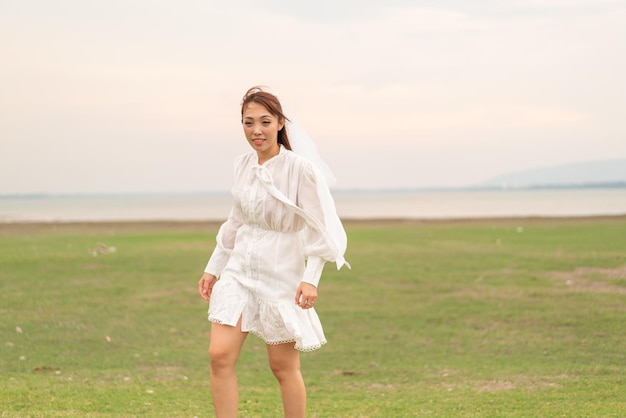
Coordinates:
x,y
298,346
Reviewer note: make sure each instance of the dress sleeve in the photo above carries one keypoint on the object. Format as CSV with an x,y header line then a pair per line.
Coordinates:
x,y
225,240
325,239
225,243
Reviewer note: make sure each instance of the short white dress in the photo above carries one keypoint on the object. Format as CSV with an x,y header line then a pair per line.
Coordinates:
x,y
283,227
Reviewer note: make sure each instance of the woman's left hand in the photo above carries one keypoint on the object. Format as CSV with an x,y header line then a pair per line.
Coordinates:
x,y
306,295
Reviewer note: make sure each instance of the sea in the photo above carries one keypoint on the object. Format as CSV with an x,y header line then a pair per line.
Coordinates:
x,y
357,205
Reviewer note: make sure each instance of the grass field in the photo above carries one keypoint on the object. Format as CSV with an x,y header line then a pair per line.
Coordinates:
x,y
484,318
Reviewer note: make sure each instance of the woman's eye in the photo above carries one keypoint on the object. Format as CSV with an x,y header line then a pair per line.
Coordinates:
x,y
248,123
266,122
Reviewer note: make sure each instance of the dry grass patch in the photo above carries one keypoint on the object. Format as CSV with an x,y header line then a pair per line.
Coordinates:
x,y
496,385
592,279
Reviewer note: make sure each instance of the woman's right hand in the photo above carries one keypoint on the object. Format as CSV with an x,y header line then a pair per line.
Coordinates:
x,y
205,285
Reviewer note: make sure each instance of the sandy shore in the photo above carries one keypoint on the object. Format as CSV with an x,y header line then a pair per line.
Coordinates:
x,y
212,226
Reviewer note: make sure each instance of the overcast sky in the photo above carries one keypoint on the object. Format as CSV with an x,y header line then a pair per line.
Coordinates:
x,y
143,95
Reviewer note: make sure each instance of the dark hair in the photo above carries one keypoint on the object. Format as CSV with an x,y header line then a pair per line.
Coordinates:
x,y
271,103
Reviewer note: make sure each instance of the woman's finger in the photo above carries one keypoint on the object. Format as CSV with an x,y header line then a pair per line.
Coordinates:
x,y
203,289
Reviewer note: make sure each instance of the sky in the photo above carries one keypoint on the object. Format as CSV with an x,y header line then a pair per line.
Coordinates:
x,y
126,96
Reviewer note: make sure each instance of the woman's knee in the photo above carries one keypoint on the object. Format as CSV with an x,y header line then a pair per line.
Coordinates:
x,y
220,357
280,373
284,369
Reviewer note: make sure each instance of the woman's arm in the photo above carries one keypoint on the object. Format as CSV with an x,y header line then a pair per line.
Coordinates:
x,y
325,241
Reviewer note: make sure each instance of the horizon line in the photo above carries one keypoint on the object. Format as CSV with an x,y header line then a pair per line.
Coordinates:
x,y
590,185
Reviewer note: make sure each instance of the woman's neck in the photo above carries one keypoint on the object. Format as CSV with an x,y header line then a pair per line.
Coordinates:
x,y
268,155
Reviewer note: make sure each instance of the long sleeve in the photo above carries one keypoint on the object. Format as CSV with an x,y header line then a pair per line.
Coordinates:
x,y
325,240
313,270
225,242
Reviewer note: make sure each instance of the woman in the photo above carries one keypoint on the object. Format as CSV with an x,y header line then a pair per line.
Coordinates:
x,y
282,229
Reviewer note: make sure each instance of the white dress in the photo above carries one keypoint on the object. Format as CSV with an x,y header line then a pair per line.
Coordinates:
x,y
282,229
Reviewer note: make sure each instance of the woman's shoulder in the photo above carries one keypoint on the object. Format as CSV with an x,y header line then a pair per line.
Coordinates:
x,y
245,157
297,160
242,161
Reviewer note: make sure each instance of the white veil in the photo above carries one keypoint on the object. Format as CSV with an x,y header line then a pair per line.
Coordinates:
x,y
301,143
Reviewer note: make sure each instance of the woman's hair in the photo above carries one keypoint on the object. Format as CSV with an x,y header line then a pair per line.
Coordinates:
x,y
271,103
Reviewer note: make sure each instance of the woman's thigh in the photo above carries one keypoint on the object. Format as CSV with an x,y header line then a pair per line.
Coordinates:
x,y
283,357
226,342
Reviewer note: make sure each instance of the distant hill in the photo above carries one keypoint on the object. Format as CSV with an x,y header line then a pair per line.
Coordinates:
x,y
589,173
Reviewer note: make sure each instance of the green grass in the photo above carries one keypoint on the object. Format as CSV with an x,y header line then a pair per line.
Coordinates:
x,y
500,318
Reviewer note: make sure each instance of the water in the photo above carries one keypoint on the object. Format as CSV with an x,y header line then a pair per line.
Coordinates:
x,y
350,205
481,204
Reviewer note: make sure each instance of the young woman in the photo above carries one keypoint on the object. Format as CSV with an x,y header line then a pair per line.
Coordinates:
x,y
270,253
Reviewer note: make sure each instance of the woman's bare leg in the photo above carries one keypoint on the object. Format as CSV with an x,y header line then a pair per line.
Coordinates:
x,y
224,349
285,364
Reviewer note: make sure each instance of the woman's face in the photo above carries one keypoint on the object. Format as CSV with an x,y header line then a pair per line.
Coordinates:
x,y
261,128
